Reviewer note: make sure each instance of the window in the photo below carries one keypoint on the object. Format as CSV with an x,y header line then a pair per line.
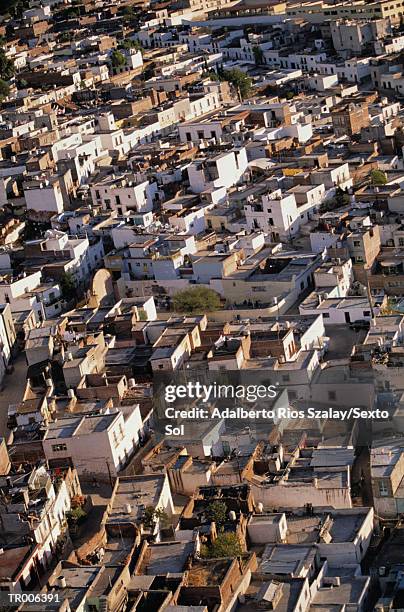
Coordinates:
x,y
383,488
356,243
59,447
285,378
332,396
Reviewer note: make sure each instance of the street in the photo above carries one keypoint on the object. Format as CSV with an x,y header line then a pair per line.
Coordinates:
x,y
13,392
342,340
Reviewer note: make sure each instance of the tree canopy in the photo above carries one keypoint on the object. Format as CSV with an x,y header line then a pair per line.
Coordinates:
x,y
6,66
4,90
225,545
13,7
217,512
258,55
129,43
340,199
68,286
152,514
197,299
117,59
239,79
378,177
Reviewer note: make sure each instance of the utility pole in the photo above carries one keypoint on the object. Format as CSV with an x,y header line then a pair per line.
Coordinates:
x,y
109,474
372,312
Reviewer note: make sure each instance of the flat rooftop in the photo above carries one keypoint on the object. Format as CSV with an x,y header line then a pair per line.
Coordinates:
x,y
135,493
287,559
349,592
79,425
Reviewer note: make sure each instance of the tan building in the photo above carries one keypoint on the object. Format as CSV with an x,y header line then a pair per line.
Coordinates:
x,y
387,472
363,247
5,463
349,119
318,12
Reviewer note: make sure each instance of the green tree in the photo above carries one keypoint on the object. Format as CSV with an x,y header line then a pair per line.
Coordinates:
x,y
4,90
5,9
14,7
129,43
7,69
196,299
225,545
258,55
129,13
240,81
378,177
68,286
71,12
117,59
217,512
152,514
65,37
76,515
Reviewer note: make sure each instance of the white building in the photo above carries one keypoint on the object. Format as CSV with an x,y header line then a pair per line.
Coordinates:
x,y
14,288
44,195
332,176
85,258
96,444
112,138
337,311
7,337
279,214
133,60
40,513
223,170
124,195
334,274
81,159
